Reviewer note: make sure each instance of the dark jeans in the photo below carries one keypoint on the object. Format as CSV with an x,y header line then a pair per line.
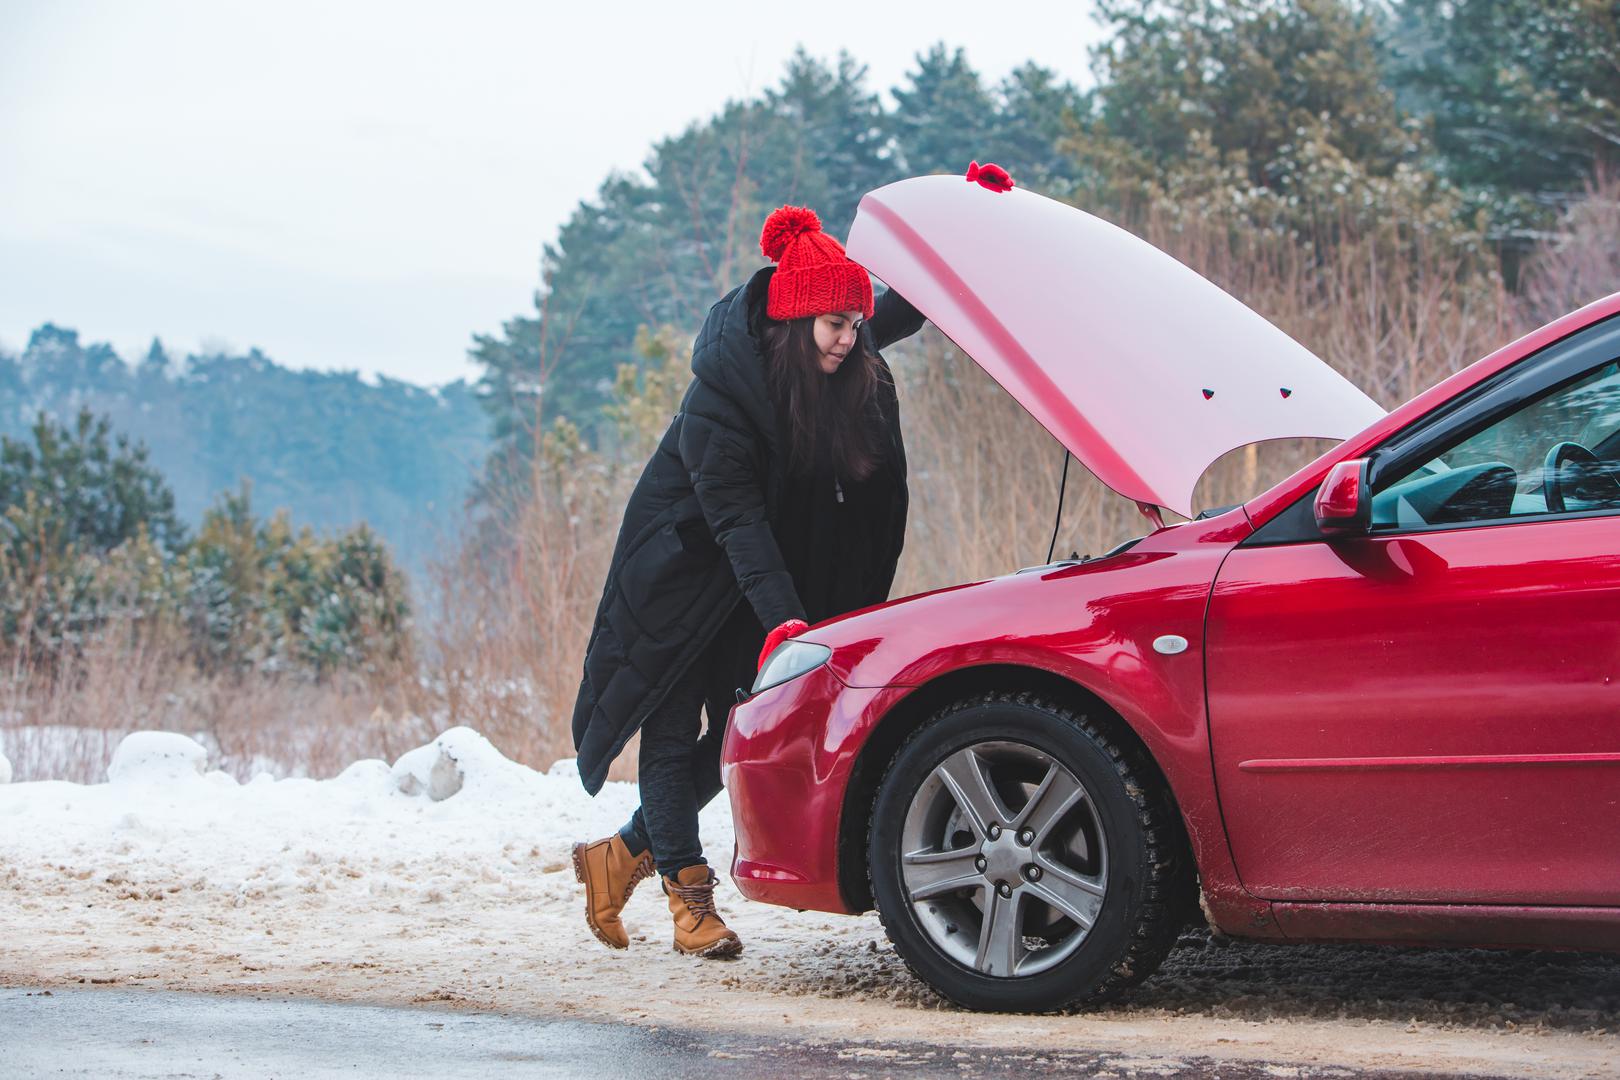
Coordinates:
x,y
679,770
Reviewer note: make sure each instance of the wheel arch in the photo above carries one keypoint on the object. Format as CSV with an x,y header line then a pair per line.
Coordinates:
x,y
891,731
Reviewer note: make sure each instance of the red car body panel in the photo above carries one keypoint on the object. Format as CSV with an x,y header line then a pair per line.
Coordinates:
x,y
1091,623
1423,718
786,773
1404,738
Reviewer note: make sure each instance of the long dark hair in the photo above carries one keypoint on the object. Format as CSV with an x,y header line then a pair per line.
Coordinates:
x,y
836,408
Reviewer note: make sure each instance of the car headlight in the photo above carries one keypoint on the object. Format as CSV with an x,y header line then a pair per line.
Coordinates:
x,y
790,660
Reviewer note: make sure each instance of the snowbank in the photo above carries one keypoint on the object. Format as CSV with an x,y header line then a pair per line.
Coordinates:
x,y
457,760
444,817
156,757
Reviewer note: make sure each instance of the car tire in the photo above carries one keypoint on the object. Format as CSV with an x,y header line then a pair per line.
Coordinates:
x,y
988,913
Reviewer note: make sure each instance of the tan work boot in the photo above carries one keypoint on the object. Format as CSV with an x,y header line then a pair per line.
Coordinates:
x,y
699,930
610,874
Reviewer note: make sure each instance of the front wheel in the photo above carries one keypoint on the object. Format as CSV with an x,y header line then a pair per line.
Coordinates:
x,y
1023,860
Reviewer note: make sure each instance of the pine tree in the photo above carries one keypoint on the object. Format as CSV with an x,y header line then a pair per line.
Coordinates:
x,y
156,365
67,500
1240,86
1524,97
1035,114
12,386
98,490
945,118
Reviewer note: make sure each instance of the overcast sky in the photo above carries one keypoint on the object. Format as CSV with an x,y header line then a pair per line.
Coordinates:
x,y
366,185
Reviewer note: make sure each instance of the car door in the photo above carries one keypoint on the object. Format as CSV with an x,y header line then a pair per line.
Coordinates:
x,y
1431,712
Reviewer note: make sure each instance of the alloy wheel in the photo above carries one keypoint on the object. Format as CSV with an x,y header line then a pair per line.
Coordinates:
x,y
1003,860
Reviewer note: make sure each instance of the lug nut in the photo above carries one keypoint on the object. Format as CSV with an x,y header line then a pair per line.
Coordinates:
x,y
979,864
1004,889
993,832
1032,872
1026,837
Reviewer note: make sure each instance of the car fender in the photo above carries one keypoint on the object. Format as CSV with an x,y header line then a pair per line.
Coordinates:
x,y
1084,631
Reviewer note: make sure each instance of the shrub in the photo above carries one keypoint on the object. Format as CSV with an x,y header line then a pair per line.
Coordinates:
x,y
90,549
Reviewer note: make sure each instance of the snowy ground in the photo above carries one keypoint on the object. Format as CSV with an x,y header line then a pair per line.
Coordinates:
x,y
368,888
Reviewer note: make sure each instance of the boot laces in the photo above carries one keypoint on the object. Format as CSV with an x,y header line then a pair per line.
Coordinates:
x,y
699,899
643,871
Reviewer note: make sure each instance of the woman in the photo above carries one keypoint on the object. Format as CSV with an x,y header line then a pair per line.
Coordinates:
x,y
776,498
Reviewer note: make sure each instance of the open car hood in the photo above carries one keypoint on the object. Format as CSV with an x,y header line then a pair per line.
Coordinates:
x,y
1146,371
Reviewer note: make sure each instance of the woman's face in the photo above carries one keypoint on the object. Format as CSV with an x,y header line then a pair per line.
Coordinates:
x,y
835,337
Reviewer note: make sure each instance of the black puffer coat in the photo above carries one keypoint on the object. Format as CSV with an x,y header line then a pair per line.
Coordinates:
x,y
697,534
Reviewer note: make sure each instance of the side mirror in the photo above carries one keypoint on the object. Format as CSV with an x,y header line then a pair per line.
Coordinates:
x,y
1344,501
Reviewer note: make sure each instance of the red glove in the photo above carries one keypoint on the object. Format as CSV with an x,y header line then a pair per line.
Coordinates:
x,y
791,628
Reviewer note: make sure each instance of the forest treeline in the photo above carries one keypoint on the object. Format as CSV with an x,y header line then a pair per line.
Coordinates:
x,y
332,449
1467,128
91,547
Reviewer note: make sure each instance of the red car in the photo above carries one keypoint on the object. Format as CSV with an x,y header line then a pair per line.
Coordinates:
x,y
1378,702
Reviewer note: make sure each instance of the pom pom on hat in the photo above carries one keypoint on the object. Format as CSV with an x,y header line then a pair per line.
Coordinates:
x,y
785,225
813,275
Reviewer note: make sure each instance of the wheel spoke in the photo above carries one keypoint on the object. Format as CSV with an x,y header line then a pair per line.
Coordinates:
x,y
1057,794
1074,894
1000,937
964,775
932,873
1078,903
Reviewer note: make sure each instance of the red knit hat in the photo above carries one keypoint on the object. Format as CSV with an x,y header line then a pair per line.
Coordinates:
x,y
813,275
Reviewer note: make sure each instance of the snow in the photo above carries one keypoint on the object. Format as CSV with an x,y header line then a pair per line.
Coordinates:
x,y
5,769
448,764
157,757
457,801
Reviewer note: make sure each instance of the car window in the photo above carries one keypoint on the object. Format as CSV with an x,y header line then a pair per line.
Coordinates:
x,y
1560,453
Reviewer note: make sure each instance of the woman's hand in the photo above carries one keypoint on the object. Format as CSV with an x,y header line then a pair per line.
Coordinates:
x,y
893,319
791,628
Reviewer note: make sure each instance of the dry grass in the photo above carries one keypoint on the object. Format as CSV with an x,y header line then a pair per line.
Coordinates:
x,y
503,649
1582,263
515,615
64,722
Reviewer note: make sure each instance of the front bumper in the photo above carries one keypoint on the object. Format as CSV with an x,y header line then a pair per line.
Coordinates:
x,y
786,763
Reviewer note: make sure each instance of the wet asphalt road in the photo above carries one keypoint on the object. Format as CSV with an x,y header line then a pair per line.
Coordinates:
x,y
129,1034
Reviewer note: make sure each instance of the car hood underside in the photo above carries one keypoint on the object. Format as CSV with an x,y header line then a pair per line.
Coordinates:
x,y
1143,369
